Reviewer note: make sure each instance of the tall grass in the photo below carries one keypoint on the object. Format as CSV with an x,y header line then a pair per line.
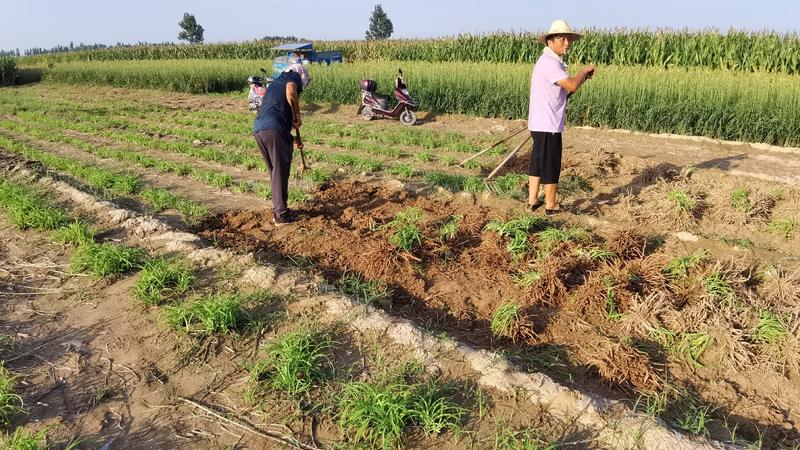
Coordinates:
x,y
734,50
753,107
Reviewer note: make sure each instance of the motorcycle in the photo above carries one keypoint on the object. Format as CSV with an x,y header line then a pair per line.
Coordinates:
x,y
374,105
258,88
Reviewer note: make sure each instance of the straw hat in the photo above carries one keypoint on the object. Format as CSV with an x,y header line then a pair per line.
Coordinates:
x,y
559,26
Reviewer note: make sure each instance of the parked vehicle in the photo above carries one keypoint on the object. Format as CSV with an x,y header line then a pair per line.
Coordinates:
x,y
374,105
258,88
303,53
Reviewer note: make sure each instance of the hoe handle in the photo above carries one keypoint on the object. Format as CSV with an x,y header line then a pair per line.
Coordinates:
x,y
303,165
490,147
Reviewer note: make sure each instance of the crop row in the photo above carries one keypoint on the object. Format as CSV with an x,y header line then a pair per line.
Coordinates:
x,y
734,50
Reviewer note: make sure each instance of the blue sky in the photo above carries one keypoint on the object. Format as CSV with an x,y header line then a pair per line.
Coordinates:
x,y
45,23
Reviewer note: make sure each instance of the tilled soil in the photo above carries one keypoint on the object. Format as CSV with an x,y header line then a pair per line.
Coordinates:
x,y
456,286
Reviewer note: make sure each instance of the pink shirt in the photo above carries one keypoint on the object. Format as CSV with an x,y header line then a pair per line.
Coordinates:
x,y
548,104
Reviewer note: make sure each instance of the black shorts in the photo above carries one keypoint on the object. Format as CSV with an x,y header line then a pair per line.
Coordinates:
x,y
545,157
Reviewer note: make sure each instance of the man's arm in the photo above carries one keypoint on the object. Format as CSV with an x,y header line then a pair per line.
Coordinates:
x,y
294,101
572,84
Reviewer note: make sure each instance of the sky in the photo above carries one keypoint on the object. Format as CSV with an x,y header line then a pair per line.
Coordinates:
x,y
46,23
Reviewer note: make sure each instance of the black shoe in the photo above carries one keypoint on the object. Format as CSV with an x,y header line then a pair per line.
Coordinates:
x,y
533,207
552,212
288,218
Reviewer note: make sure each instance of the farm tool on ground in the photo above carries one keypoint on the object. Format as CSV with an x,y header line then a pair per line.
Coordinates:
x,y
374,105
491,147
508,158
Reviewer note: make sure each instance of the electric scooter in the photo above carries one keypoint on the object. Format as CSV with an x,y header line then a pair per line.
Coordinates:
x,y
374,105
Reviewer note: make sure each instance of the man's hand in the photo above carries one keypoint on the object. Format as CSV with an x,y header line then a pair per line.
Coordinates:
x,y
297,123
298,143
588,72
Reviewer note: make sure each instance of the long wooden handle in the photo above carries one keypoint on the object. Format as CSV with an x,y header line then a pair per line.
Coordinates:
x,y
508,158
491,147
302,154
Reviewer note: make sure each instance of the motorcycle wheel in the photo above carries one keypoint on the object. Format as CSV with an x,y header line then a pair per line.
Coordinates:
x,y
408,117
366,113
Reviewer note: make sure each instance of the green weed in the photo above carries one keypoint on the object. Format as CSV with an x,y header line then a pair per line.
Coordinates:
x,y
102,260
526,439
570,185
76,233
449,230
447,161
678,268
10,401
318,176
403,170
740,199
366,291
509,184
424,157
377,415
407,235
161,278
737,242
506,320
295,362
526,279
297,195
783,227
719,289
215,313
695,419
683,203
770,328
23,439
28,209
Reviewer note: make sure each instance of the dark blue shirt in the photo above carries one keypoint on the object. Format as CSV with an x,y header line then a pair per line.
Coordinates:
x,y
276,112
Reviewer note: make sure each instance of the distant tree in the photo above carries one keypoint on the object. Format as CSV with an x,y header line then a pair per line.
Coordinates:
x,y
284,38
18,55
380,27
192,31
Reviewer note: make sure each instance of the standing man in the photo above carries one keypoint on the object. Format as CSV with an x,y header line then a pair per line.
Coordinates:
x,y
550,87
272,129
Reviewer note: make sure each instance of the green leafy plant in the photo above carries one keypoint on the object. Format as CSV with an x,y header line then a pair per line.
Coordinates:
x,y
161,278
683,203
214,313
770,328
103,260
76,233
407,235
403,170
295,362
783,227
507,320
23,439
366,291
527,279
507,438
678,268
570,185
740,199
719,289
449,230
28,209
10,402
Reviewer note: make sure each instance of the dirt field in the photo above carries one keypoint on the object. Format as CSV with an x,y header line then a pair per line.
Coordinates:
x,y
710,344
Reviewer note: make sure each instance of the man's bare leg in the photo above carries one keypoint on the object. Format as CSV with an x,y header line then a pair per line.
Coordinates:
x,y
533,190
550,196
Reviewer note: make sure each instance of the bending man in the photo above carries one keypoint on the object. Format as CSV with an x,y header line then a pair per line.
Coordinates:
x,y
272,129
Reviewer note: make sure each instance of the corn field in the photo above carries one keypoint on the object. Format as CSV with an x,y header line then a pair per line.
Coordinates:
x,y
735,50
8,67
754,107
